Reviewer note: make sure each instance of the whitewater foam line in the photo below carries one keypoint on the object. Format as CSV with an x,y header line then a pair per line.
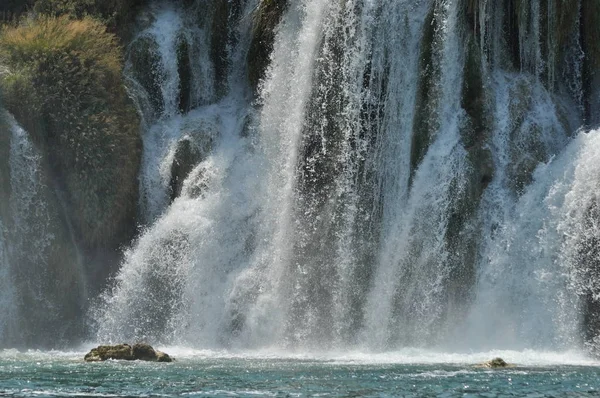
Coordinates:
x,y
407,356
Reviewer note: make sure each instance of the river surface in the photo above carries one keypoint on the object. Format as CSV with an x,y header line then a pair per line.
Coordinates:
x,y
407,373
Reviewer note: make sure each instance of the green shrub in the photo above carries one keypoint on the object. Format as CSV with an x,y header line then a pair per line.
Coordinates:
x,y
63,84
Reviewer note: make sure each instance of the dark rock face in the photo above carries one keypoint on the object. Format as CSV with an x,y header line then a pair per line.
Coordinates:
x,y
266,19
147,70
140,351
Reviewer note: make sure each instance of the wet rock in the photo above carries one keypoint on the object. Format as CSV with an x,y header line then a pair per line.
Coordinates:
x,y
266,18
184,69
187,156
143,352
496,363
140,351
191,150
146,67
219,41
105,352
163,357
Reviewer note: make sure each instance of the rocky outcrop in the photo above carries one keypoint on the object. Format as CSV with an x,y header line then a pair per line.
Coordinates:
x,y
190,150
267,17
146,68
496,363
126,352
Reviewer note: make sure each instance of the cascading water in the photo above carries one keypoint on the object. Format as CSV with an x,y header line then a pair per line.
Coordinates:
x,y
39,291
7,294
217,193
169,73
411,175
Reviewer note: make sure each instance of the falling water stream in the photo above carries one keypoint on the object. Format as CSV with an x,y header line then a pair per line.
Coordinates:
x,y
405,176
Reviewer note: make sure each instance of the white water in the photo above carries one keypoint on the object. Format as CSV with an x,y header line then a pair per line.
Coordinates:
x,y
29,232
412,265
169,26
408,356
520,279
7,294
41,290
308,229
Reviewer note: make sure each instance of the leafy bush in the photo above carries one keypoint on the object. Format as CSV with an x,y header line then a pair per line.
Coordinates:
x,y
62,82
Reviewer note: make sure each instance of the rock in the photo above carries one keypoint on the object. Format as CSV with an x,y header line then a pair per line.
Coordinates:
x,y
187,156
140,351
143,352
266,18
184,69
104,352
146,67
163,357
496,363
192,149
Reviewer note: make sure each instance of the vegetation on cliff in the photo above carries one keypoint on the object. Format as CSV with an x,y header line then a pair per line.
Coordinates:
x,y
62,82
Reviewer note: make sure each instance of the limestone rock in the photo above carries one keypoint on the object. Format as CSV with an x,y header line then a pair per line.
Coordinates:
x,y
163,357
140,351
496,363
105,352
266,18
143,352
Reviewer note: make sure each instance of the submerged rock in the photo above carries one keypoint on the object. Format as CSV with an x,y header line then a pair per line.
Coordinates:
x,y
496,363
141,352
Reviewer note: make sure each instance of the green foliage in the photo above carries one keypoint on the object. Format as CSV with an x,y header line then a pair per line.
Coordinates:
x,y
63,84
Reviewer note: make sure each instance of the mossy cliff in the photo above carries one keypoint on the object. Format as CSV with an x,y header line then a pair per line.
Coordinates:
x,y
64,86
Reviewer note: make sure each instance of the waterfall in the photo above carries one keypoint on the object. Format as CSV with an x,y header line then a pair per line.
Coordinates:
x,y
212,207
169,73
411,173
7,293
40,265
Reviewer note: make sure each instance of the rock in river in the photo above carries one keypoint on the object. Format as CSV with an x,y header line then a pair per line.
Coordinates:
x,y
496,363
140,351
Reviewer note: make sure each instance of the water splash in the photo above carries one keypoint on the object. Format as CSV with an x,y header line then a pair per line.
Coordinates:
x,y
407,178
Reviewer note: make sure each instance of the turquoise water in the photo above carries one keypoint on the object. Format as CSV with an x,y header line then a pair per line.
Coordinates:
x,y
205,374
